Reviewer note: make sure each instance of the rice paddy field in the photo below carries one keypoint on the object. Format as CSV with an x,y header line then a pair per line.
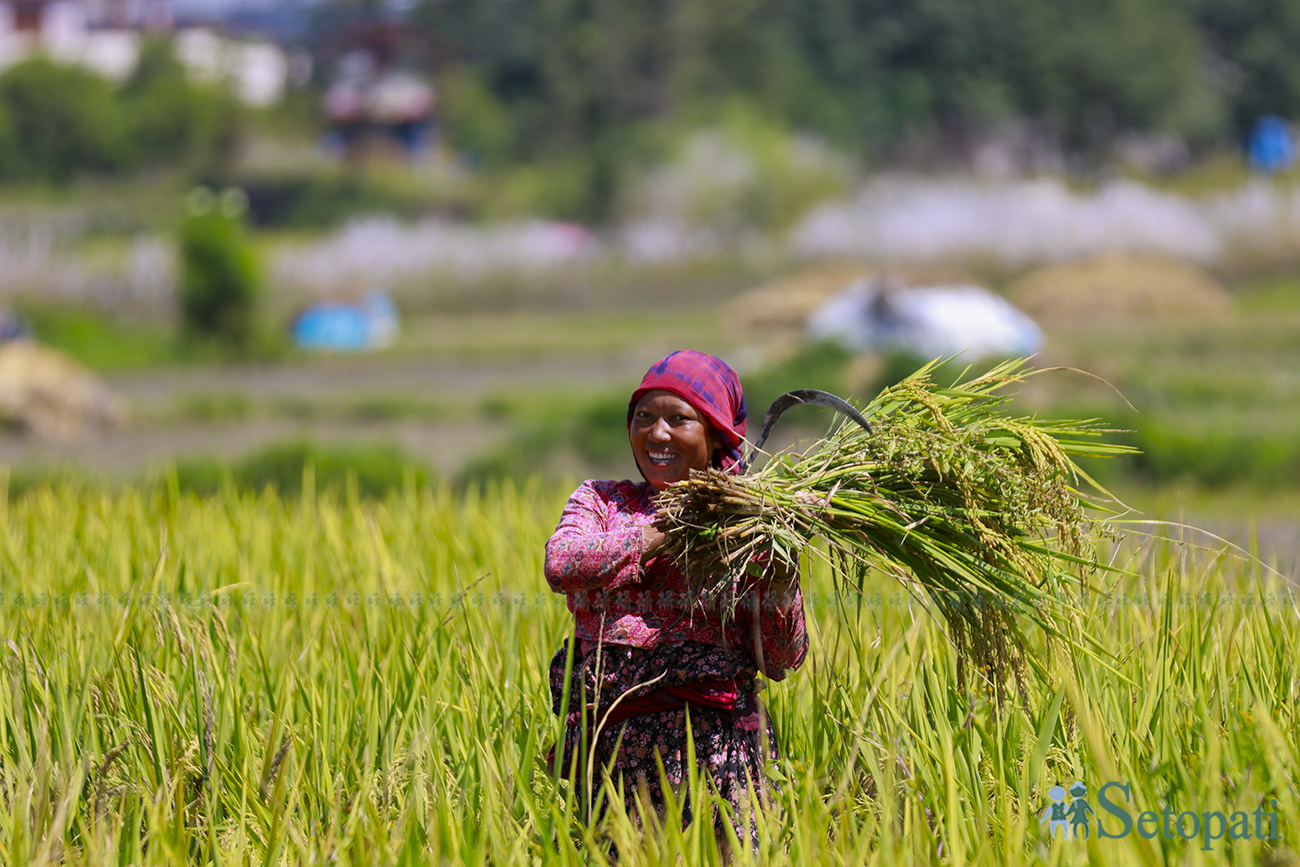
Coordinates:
x,y
316,677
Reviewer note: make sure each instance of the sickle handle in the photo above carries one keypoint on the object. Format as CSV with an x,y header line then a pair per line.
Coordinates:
x,y
814,396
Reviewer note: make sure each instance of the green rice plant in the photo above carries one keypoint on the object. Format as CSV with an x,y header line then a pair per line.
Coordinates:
x,y
979,510
324,678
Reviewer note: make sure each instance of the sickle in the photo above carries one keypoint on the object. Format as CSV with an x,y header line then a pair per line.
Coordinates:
x,y
814,396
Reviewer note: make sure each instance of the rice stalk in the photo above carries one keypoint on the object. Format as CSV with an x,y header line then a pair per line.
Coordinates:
x,y
980,512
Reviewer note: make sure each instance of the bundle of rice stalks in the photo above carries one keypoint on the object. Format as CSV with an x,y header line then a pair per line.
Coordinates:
x,y
980,512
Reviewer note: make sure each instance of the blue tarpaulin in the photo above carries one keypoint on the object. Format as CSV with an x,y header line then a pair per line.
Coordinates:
x,y
1271,147
347,327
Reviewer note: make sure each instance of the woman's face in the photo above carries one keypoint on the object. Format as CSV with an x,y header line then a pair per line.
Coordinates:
x,y
669,438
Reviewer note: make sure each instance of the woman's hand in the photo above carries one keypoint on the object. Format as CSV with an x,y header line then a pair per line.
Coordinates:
x,y
653,541
781,583
783,574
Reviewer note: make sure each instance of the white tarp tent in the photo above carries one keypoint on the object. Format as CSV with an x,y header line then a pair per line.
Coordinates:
x,y
926,321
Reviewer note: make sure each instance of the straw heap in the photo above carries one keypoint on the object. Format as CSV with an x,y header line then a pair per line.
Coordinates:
x,y
980,512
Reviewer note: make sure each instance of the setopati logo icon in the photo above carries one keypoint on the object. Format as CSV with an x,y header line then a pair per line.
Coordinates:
x,y
1070,820
1075,818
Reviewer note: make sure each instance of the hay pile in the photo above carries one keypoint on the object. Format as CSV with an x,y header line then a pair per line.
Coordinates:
x,y
1117,287
978,512
779,310
50,394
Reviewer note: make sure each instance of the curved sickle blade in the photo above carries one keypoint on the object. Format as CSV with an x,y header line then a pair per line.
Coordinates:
x,y
813,396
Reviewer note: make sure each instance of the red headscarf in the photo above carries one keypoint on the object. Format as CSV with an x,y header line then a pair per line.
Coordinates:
x,y
709,385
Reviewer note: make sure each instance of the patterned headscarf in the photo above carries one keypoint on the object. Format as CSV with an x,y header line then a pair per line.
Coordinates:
x,y
709,385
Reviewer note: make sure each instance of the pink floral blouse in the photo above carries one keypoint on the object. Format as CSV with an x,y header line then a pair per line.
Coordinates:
x,y
594,558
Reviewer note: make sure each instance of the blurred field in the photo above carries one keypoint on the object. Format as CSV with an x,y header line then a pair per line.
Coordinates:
x,y
1209,398
445,392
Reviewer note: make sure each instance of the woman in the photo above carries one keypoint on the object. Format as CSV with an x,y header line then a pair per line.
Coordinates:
x,y
646,656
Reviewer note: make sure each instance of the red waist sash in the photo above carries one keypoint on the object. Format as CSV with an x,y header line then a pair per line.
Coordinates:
x,y
718,694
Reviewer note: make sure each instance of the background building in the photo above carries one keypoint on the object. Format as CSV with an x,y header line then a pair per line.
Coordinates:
x,y
104,35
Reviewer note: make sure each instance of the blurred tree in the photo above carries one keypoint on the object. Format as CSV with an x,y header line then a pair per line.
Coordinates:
x,y
1099,67
873,73
218,281
496,34
494,100
868,72
173,120
58,121
1252,56
10,162
62,120
903,67
591,85
1086,68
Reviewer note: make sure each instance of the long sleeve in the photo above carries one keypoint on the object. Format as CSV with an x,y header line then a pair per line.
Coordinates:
x,y
778,634
585,553
594,558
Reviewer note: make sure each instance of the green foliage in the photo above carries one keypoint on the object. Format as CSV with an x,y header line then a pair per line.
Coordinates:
x,y
1174,451
175,121
60,121
477,122
97,341
319,200
1209,442
1207,401
218,281
876,76
1251,45
1099,67
561,187
817,365
371,471
10,161
593,426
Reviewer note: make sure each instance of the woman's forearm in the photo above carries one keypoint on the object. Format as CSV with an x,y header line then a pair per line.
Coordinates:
x,y
593,561
781,629
778,630
586,554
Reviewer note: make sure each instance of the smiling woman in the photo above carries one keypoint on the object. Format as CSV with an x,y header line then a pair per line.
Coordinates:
x,y
669,438
654,672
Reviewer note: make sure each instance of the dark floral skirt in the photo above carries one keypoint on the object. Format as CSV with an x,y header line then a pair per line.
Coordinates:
x,y
731,745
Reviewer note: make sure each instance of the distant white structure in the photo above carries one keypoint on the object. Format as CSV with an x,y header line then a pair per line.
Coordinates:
x,y
926,321
258,70
104,36
70,31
